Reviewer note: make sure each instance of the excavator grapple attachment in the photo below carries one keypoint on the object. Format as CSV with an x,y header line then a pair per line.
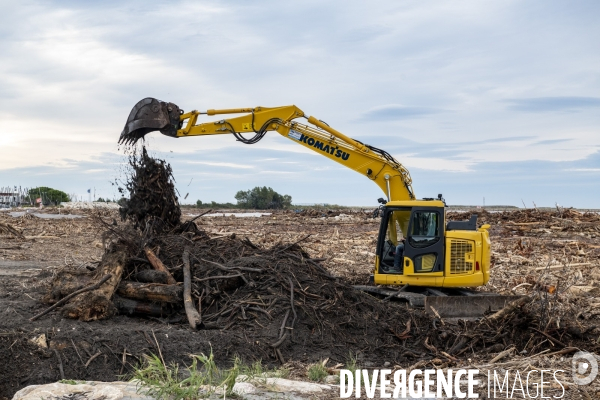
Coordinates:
x,y
150,115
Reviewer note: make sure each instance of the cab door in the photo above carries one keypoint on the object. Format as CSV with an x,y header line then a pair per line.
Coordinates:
x,y
424,247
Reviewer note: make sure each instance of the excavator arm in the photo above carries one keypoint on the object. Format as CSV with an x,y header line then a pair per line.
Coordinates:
x,y
377,165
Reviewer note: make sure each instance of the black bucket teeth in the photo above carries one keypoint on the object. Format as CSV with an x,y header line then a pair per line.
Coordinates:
x,y
150,115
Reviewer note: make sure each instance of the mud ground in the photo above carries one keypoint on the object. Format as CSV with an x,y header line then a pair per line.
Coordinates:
x,y
527,249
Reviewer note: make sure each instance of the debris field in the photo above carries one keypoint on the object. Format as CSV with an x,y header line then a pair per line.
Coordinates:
x,y
276,288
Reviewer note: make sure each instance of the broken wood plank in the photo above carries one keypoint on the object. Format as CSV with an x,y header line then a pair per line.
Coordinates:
x,y
158,265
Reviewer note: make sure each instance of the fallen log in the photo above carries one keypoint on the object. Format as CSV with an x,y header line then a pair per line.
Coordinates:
x,y
193,316
67,281
152,276
134,307
158,265
150,292
69,297
97,304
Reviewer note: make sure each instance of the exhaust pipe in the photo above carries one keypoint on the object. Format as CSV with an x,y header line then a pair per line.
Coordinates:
x,y
150,115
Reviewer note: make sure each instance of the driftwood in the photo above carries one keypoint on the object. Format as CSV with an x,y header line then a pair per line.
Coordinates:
x,y
193,316
150,292
510,307
502,355
8,229
152,276
67,281
97,303
69,297
159,266
134,307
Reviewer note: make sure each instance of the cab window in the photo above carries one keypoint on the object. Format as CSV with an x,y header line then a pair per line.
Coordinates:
x,y
424,229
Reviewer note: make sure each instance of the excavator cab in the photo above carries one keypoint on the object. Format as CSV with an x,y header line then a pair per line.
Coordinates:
x,y
434,253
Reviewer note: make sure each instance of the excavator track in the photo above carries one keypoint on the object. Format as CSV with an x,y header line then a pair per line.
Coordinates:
x,y
443,302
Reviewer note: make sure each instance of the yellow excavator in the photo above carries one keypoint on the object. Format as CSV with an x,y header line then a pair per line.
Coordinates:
x,y
417,250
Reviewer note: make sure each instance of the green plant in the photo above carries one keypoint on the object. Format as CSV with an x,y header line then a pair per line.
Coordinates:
x,y
282,373
231,375
317,372
203,378
256,372
352,362
158,380
68,382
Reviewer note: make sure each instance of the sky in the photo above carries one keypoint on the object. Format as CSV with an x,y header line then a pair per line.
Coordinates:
x,y
494,102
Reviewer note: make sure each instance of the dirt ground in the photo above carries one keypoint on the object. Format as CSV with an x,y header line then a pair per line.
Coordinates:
x,y
555,253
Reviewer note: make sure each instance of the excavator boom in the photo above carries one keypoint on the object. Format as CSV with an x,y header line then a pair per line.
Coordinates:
x,y
391,176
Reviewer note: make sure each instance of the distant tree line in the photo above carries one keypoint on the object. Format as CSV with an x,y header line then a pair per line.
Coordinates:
x,y
259,198
48,195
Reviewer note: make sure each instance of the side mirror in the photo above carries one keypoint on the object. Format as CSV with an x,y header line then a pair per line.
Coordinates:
x,y
381,200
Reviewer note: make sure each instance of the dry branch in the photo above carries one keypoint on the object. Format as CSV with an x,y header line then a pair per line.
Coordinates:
x,y
502,354
510,307
159,266
193,316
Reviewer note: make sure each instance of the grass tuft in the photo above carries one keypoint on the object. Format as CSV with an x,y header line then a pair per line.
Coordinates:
x,y
317,372
352,362
201,379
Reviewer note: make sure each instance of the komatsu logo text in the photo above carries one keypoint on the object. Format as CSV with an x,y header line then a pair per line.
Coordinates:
x,y
326,148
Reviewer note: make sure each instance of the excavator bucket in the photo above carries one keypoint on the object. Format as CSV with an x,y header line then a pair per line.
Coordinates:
x,y
150,115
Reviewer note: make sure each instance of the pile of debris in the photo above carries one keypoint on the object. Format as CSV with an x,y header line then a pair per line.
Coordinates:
x,y
532,217
89,205
152,199
282,300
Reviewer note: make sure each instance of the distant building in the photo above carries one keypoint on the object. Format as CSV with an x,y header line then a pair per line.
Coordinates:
x,y
12,199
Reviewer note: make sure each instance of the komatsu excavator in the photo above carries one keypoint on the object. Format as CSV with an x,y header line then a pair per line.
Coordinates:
x,y
440,258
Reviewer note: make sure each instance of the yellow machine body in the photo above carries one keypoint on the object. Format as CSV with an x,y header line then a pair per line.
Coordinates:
x,y
464,254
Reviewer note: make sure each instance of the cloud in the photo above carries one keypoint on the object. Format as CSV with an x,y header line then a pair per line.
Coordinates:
x,y
583,169
550,104
397,112
505,139
507,184
447,89
221,164
552,141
